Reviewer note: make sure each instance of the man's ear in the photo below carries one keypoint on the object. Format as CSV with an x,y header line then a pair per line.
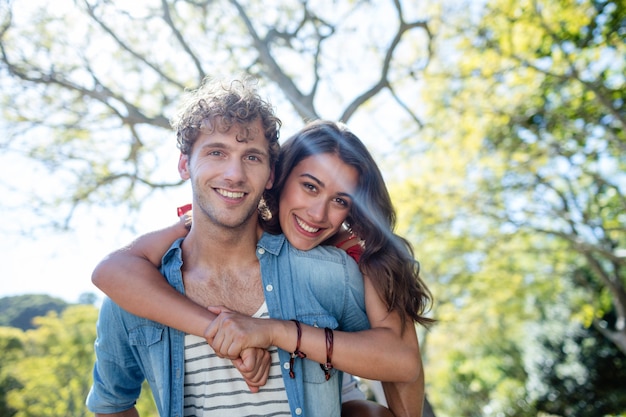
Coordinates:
x,y
183,166
270,181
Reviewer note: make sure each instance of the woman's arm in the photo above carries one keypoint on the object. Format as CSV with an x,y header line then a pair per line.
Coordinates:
x,y
405,399
383,353
129,276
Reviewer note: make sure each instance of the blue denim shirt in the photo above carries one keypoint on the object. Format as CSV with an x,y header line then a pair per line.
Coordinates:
x,y
321,287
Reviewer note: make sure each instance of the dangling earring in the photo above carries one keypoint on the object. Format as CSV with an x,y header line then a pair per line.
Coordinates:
x,y
264,210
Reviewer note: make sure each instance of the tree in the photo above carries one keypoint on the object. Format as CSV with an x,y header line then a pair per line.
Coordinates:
x,y
567,148
525,126
504,121
545,81
19,311
12,347
95,82
573,370
87,87
50,369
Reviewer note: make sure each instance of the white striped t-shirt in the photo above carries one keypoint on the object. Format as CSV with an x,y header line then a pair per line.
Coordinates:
x,y
214,387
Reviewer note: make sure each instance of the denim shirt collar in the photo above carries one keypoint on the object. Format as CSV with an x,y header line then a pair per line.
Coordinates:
x,y
272,243
269,242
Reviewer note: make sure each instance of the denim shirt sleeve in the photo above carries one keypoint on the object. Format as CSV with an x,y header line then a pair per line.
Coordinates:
x,y
130,349
117,377
322,287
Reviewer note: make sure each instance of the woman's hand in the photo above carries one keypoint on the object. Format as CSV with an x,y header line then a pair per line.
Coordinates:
x,y
230,333
244,340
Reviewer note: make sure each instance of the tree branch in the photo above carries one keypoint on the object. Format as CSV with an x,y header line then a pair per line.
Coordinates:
x,y
168,20
128,49
302,103
383,80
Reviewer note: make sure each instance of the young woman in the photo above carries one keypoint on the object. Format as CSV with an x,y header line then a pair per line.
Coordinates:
x,y
328,190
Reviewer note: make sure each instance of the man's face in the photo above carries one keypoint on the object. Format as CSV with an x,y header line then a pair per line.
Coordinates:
x,y
228,177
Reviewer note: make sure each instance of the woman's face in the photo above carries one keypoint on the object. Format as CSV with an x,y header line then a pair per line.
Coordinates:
x,y
316,199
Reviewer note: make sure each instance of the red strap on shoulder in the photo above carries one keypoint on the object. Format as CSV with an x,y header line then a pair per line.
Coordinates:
x,y
355,252
183,209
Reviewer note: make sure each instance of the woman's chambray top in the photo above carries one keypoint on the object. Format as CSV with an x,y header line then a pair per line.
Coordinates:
x,y
321,287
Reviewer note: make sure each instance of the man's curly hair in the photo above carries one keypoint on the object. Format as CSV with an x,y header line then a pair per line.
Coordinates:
x,y
220,105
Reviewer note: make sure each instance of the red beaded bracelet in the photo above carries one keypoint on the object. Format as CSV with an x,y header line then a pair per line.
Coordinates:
x,y
296,352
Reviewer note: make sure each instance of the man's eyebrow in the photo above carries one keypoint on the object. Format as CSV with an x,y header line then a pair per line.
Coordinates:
x,y
259,151
222,145
219,145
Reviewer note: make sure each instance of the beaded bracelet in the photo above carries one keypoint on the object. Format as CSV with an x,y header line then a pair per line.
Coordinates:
x,y
326,367
296,352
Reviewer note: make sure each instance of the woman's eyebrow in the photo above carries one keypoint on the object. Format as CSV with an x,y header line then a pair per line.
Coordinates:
x,y
321,184
313,178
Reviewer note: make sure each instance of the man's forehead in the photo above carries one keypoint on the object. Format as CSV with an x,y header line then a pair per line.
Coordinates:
x,y
244,132
234,137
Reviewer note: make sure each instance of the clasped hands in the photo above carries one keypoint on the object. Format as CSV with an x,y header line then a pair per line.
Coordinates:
x,y
244,340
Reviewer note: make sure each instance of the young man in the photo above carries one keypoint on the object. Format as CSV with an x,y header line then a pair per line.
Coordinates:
x,y
228,138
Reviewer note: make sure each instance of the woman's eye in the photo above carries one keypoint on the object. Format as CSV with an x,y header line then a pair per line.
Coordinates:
x,y
342,202
309,186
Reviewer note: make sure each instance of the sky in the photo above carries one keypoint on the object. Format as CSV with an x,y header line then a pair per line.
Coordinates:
x,y
43,260
60,263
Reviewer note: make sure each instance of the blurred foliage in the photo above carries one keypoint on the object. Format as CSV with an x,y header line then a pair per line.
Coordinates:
x,y
19,311
46,371
573,370
516,203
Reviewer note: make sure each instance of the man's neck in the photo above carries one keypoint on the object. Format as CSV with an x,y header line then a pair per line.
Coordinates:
x,y
225,246
221,268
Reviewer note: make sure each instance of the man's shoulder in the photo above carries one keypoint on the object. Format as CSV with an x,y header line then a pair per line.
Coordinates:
x,y
114,322
174,253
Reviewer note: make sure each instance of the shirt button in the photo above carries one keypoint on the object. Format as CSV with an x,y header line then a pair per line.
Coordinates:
x,y
286,365
269,287
298,411
261,251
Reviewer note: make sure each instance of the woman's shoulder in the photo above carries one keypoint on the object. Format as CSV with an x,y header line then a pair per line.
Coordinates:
x,y
350,243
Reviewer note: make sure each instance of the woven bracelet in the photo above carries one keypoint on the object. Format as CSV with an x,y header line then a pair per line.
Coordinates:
x,y
296,353
326,367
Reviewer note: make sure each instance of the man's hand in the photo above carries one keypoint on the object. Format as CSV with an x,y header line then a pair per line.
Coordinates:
x,y
241,339
254,365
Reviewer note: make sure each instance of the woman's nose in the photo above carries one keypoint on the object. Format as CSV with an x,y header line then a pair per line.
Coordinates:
x,y
317,211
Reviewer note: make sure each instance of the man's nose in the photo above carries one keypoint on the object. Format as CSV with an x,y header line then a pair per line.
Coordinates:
x,y
234,170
